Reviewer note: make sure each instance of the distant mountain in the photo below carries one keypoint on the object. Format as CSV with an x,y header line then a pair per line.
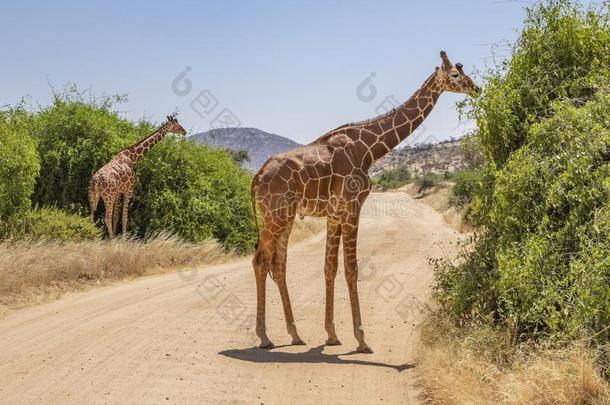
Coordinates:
x,y
260,145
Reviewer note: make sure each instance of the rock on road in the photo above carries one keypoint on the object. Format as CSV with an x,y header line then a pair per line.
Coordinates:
x,y
187,337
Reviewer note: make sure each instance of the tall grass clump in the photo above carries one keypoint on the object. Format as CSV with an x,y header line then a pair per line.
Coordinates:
x,y
480,364
393,178
30,271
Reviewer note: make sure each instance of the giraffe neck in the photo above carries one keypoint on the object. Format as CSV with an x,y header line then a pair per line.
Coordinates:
x,y
395,126
144,146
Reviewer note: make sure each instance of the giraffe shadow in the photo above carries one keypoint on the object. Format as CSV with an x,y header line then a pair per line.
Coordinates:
x,y
314,355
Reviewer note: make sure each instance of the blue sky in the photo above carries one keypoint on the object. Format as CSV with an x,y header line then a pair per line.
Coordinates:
x,y
291,68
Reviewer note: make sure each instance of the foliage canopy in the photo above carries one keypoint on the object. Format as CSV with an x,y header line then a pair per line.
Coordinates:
x,y
49,155
542,200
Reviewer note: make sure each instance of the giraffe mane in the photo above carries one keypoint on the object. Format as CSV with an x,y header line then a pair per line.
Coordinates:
x,y
143,139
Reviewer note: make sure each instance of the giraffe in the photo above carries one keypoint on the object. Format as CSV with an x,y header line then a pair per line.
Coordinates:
x,y
328,178
118,176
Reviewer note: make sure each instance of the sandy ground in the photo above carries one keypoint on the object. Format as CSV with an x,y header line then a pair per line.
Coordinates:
x,y
187,337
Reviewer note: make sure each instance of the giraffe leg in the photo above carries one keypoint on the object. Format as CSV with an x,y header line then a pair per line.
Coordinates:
x,y
126,201
279,273
333,238
262,263
109,207
349,231
115,214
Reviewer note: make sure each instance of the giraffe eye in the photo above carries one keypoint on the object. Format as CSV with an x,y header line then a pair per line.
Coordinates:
x,y
454,74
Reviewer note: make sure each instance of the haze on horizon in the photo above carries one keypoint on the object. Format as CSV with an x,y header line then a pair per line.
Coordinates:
x,y
294,69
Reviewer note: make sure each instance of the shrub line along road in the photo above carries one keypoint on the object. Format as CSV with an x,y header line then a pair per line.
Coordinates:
x,y
187,337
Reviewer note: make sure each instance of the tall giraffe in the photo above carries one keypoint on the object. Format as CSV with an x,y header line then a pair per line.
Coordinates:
x,y
118,176
328,178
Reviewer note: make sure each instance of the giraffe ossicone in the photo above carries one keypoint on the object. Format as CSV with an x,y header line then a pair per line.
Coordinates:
x,y
118,177
329,178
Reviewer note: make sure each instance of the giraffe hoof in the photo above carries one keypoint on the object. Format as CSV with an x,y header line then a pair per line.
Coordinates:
x,y
333,342
364,348
298,342
266,345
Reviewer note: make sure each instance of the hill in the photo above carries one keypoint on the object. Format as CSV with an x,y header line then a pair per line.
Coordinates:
x,y
430,158
259,144
441,157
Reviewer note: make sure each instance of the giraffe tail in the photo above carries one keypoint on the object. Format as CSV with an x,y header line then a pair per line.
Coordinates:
x,y
94,199
253,198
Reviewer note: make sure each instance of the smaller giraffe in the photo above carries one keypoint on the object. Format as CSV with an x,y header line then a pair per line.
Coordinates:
x,y
118,177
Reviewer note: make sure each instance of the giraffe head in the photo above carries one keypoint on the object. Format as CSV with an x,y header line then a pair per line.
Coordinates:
x,y
173,126
454,79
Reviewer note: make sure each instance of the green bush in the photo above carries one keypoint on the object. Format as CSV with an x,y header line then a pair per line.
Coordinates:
x,y
190,190
468,291
398,177
424,182
543,198
564,170
429,180
544,263
562,53
19,165
51,224
467,184
194,191
392,178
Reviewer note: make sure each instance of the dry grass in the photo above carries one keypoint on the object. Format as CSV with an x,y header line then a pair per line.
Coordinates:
x,y
438,198
33,272
306,228
482,366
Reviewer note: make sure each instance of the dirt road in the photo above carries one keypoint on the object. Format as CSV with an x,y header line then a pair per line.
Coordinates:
x,y
187,337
